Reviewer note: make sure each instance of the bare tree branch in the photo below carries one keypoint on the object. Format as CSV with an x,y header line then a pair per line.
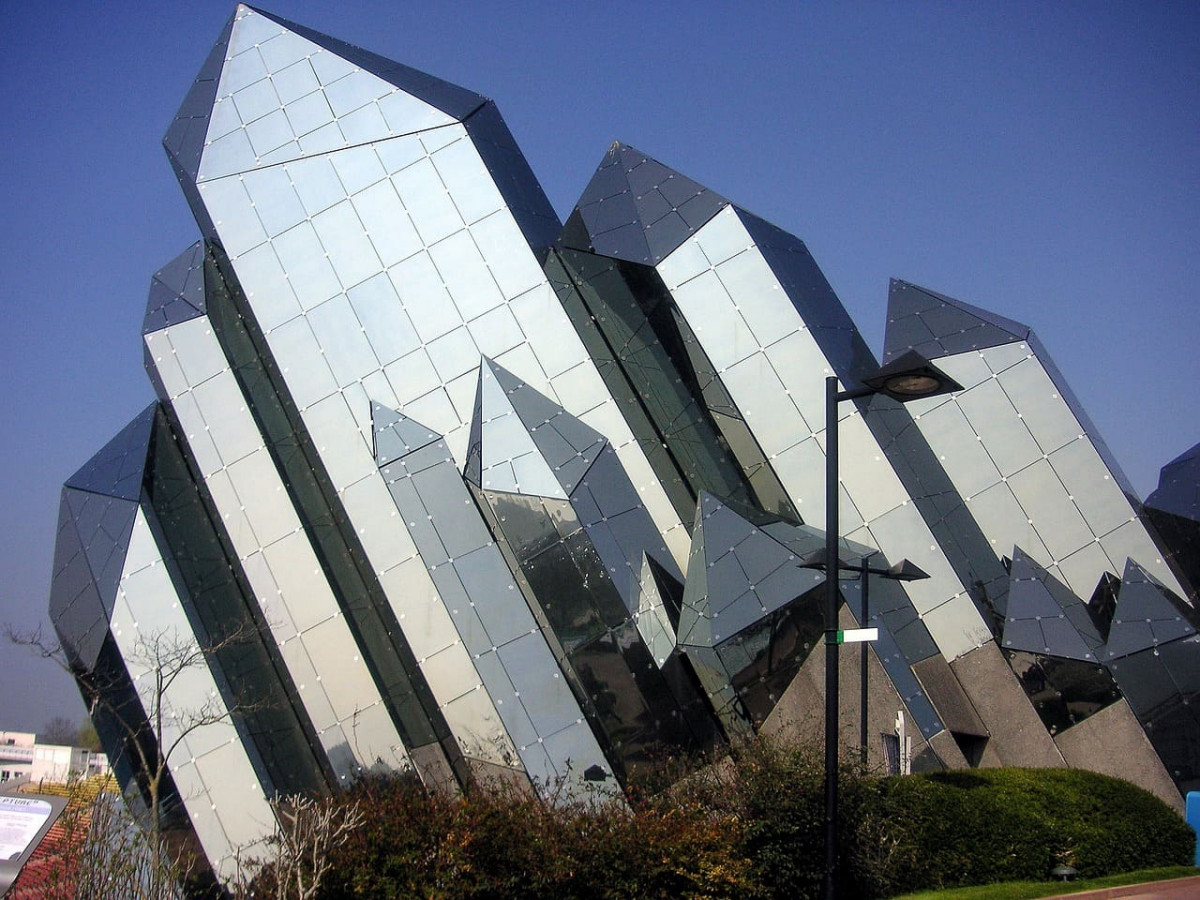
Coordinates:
x,y
300,851
153,733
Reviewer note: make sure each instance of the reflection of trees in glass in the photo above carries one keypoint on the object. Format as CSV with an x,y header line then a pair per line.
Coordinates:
x,y
1063,691
763,659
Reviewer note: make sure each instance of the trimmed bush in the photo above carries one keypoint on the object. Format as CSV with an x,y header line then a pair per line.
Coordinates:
x,y
982,826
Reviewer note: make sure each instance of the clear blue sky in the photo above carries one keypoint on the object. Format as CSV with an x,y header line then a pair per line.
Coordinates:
x,y
1041,160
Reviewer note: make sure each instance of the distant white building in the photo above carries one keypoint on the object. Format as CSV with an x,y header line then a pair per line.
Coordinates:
x,y
23,758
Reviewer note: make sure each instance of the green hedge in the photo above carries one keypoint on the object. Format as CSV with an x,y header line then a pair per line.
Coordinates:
x,y
988,825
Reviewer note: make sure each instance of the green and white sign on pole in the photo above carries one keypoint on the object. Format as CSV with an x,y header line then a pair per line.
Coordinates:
x,y
857,635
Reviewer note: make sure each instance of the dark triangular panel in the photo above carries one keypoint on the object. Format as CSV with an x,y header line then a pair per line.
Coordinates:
x,y
77,611
748,573
639,210
1173,512
103,525
907,570
1178,489
669,589
1179,540
449,98
176,291
575,234
1103,603
1147,615
473,469
935,325
396,435
1043,616
184,140
116,470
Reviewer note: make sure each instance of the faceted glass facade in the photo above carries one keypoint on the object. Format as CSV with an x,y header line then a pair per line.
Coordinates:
x,y
485,496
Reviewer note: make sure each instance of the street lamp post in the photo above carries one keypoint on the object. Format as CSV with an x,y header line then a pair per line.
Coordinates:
x,y
864,589
901,571
908,377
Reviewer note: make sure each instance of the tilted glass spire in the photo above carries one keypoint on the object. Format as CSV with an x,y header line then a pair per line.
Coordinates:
x,y
1017,444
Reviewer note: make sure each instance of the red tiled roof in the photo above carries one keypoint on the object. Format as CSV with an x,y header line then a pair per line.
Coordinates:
x,y
52,870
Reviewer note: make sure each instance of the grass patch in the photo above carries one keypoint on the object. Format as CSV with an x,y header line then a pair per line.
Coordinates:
x,y
1030,890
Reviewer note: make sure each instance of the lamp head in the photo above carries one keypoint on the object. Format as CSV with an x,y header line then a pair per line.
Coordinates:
x,y
815,559
911,376
906,571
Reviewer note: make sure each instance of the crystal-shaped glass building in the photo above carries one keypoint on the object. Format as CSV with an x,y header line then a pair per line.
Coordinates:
x,y
437,483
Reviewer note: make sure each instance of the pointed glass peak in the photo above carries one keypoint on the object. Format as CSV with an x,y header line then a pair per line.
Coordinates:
x,y
658,609
1147,614
524,443
1103,602
509,460
537,411
1191,455
639,210
1042,615
185,139
457,102
1178,489
273,91
176,291
116,470
935,325
669,588
396,435
748,572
